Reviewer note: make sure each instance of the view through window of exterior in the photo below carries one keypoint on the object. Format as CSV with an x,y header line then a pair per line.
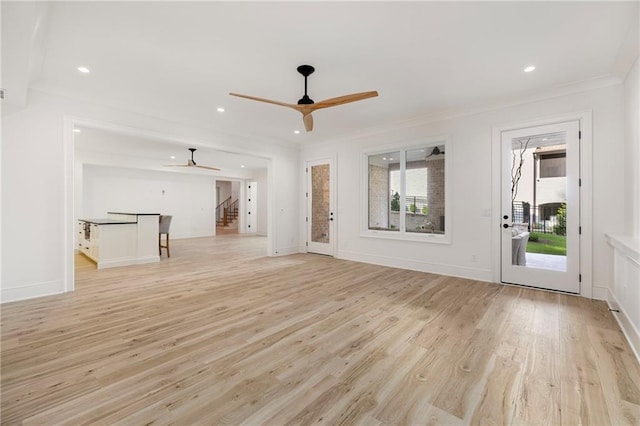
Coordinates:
x,y
406,191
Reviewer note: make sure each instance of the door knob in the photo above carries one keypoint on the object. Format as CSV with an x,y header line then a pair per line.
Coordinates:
x,y
505,226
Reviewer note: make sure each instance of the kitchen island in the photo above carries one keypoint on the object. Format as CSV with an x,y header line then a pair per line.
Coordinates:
x,y
120,239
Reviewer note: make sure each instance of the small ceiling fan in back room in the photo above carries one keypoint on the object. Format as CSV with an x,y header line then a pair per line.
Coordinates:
x,y
191,163
306,105
435,151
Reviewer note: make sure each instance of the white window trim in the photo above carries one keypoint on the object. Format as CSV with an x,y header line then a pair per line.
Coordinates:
x,y
401,234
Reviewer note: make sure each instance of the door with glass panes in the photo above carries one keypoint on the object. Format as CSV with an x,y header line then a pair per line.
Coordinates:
x,y
540,207
320,207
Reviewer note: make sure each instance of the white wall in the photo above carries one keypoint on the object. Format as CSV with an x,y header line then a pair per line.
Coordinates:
x,y
37,175
471,148
225,189
632,151
284,203
624,281
33,189
235,191
188,198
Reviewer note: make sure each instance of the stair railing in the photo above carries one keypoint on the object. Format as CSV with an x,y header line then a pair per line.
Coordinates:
x,y
233,209
221,211
227,211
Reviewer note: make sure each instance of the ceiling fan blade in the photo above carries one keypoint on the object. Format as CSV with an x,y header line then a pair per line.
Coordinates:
x,y
341,100
176,165
205,167
308,122
269,101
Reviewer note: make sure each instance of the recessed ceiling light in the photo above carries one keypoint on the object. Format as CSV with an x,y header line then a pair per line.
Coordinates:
x,y
384,158
544,139
173,157
84,70
529,68
391,159
77,130
296,131
242,166
220,109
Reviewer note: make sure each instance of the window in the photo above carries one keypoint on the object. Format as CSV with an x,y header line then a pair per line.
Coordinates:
x,y
384,191
553,165
406,193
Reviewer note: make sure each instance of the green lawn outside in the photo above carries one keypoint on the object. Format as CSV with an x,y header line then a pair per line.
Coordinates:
x,y
548,244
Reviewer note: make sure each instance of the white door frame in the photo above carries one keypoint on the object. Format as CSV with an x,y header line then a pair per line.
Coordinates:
x,y
330,248
586,197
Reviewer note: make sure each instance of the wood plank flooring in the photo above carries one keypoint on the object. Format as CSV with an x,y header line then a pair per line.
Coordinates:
x,y
221,334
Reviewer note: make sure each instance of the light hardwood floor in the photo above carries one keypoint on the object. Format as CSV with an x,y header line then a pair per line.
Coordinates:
x,y
220,334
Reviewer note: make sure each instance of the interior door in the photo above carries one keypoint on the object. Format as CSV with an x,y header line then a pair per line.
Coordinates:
x,y
320,207
540,205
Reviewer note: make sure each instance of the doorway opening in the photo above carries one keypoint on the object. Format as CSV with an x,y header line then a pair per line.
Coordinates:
x,y
227,212
114,169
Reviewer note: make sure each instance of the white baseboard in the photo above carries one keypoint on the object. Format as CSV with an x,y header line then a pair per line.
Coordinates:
x,y
415,265
628,329
184,235
600,293
283,251
147,259
113,263
30,291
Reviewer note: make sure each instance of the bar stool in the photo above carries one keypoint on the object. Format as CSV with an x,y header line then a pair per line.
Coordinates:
x,y
165,222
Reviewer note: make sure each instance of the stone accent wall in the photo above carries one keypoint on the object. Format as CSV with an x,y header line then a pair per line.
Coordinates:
x,y
435,193
378,197
320,203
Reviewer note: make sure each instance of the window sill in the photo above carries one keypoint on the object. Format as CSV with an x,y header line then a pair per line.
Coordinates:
x,y
407,236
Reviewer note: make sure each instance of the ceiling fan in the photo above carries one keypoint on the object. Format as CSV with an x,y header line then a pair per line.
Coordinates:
x,y
306,105
435,151
191,163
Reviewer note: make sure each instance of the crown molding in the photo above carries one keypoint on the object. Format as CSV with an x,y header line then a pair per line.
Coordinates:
x,y
444,115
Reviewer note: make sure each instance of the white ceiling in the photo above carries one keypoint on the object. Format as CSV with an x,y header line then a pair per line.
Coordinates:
x,y
156,154
179,61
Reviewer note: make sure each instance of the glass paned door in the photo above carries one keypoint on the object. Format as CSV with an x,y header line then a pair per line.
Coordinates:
x,y
320,211
541,207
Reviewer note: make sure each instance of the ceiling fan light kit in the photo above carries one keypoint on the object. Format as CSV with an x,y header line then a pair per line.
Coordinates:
x,y
306,105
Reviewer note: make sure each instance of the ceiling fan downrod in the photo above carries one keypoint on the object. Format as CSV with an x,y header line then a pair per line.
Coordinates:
x,y
306,71
192,151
